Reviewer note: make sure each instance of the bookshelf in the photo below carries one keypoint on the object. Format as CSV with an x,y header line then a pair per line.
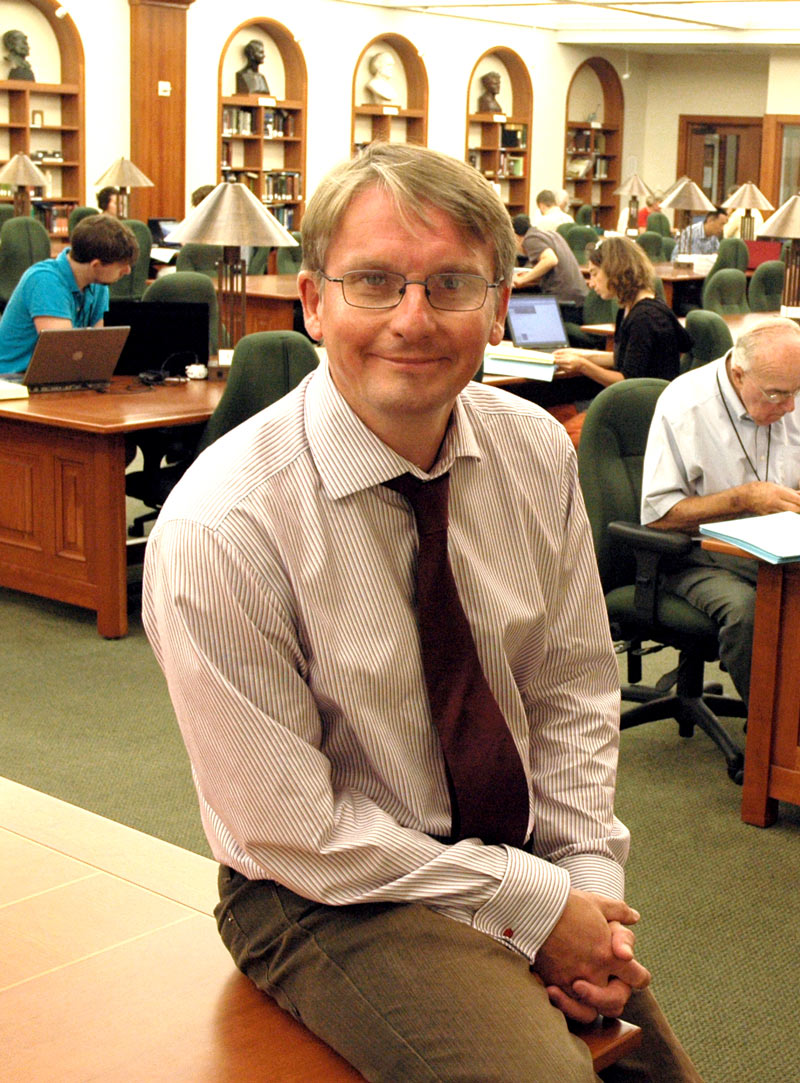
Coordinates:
x,y
498,144
404,121
46,121
593,147
262,138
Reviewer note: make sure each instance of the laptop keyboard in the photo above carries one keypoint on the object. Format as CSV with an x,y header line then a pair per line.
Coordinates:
x,y
87,385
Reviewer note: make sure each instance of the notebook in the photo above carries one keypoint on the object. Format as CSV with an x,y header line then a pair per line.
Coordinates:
x,y
761,251
74,359
535,323
165,336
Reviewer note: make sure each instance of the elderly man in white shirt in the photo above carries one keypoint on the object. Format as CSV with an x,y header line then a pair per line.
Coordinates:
x,y
725,443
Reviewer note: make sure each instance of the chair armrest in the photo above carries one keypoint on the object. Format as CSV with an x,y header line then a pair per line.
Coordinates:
x,y
652,548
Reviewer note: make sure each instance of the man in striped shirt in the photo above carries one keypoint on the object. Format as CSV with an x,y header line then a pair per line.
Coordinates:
x,y
279,600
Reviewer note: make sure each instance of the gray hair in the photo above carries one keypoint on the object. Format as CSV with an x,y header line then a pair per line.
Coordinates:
x,y
748,345
417,179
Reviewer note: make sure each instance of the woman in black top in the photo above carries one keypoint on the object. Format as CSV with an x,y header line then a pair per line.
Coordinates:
x,y
648,339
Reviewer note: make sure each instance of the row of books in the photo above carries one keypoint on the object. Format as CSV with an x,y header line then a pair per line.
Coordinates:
x,y
241,120
285,215
278,184
53,216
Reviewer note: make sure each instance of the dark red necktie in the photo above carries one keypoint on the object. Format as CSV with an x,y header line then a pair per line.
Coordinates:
x,y
488,790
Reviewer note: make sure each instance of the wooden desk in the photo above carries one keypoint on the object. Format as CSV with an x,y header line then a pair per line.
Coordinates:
x,y
62,500
737,323
772,752
772,749
114,970
271,302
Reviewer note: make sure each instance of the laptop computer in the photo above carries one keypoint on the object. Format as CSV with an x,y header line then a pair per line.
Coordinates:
x,y
535,322
761,251
159,228
74,359
165,336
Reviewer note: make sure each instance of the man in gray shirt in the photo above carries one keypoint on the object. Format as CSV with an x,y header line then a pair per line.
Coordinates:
x,y
552,268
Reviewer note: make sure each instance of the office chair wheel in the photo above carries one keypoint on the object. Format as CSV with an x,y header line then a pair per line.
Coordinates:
x,y
736,769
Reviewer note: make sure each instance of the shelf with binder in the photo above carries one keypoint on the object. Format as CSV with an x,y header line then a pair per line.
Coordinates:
x,y
592,147
44,121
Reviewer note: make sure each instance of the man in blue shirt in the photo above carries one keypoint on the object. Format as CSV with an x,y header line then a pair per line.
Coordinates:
x,y
702,239
69,291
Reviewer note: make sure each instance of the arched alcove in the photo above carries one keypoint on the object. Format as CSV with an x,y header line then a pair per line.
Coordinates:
x,y
498,143
402,121
595,110
262,136
45,119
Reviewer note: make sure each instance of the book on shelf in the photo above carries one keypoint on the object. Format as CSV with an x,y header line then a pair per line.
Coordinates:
x,y
282,184
774,538
53,216
578,168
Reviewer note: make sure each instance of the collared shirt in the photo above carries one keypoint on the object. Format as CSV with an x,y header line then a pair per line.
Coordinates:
x,y
693,446
693,241
48,288
552,218
279,600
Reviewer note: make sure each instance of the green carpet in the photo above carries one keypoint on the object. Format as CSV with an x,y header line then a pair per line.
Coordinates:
x,y
89,721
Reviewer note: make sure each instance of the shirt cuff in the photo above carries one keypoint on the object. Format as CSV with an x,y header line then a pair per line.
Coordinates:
x,y
528,903
591,872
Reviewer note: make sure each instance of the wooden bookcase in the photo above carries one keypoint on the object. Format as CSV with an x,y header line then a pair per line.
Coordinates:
x,y
262,139
498,144
59,127
398,123
593,149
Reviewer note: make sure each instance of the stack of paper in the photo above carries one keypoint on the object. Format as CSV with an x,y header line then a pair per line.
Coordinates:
x,y
11,390
506,359
775,538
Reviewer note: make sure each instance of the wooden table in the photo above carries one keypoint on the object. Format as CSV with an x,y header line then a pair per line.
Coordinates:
x,y
62,500
772,749
772,752
737,323
271,301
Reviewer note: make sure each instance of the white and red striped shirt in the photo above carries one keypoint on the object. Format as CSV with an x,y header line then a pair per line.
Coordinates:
x,y
279,600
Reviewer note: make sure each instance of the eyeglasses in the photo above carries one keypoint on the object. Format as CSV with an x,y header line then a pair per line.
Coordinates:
x,y
450,291
773,396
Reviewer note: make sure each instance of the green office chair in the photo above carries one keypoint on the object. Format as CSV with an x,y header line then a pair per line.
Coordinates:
x,y
657,222
765,291
658,289
78,214
630,557
188,286
259,260
579,239
667,248
710,335
289,259
6,212
651,243
726,293
265,367
584,215
202,258
595,310
564,228
23,242
132,286
732,253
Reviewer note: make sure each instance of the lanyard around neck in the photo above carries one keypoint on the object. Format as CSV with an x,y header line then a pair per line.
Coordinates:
x,y
750,462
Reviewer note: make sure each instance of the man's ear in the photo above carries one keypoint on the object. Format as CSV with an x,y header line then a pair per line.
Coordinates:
x,y
311,298
498,328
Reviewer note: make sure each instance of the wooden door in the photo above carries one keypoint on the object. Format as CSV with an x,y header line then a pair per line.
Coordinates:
x,y
719,153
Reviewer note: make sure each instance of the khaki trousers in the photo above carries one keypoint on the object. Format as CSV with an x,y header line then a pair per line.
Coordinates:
x,y
407,995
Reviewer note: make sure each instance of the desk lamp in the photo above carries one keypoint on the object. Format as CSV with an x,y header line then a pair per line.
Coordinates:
x,y
785,223
686,196
635,189
750,198
232,217
123,174
21,172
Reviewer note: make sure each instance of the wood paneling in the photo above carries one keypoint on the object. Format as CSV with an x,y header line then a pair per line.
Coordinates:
x,y
158,122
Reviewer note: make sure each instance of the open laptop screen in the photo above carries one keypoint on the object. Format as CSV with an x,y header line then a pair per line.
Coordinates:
x,y
165,335
159,228
535,323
